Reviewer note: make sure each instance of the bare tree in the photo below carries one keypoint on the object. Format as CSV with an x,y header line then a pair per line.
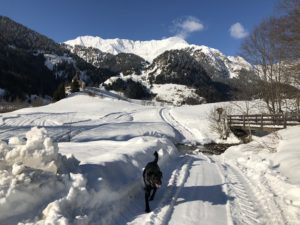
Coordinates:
x,y
290,37
266,47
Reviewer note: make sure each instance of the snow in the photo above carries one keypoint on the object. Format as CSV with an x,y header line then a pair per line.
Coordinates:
x,y
273,164
80,161
174,93
235,64
53,60
231,64
146,49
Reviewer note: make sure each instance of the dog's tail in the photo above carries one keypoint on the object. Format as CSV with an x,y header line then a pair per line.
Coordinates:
x,y
156,157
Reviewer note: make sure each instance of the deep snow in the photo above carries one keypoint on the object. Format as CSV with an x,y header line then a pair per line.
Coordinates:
x,y
93,174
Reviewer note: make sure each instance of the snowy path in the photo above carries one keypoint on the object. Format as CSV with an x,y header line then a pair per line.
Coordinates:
x,y
199,190
188,137
192,194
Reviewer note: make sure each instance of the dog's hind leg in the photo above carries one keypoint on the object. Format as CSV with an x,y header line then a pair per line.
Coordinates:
x,y
153,194
147,195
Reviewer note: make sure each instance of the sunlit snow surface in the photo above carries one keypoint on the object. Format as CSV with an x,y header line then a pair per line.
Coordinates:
x,y
93,174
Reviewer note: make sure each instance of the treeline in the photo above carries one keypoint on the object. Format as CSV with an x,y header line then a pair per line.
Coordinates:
x,y
274,47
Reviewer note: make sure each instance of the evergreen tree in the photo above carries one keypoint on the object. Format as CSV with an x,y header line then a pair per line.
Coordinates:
x,y
75,86
59,93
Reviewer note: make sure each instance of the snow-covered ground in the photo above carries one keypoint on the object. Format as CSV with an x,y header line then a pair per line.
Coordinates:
x,y
80,161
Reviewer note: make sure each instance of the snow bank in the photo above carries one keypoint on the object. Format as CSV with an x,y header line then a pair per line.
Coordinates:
x,y
273,162
38,185
111,172
39,152
28,175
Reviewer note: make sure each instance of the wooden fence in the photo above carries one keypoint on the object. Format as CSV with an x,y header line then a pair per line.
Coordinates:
x,y
256,121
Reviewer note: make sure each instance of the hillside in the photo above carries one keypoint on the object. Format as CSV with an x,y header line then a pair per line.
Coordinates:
x,y
32,64
85,167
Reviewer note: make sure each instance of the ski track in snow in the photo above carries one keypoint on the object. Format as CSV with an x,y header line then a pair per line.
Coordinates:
x,y
63,129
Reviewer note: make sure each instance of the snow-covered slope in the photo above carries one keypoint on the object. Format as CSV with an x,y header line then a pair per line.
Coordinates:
x,y
146,49
215,62
112,140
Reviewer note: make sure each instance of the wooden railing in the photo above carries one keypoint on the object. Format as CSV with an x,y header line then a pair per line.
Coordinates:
x,y
275,121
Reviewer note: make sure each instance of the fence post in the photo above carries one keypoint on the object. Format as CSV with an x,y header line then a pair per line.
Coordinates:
x,y
261,121
244,125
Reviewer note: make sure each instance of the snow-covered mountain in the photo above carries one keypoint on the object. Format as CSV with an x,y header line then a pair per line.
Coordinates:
x,y
215,62
145,49
167,61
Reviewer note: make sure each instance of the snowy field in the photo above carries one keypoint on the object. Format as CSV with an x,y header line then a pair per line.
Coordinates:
x,y
80,161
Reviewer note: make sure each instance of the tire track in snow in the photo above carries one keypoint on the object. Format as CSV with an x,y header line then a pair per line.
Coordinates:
x,y
250,206
180,181
162,214
168,118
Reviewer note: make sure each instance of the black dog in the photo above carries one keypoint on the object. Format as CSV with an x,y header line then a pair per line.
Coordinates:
x,y
152,179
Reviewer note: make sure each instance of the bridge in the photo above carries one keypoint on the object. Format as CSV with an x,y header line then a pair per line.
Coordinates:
x,y
264,122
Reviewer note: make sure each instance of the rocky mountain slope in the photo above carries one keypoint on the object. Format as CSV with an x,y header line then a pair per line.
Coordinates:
x,y
126,63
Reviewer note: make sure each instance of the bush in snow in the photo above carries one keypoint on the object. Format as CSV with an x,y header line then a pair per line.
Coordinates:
x,y
59,92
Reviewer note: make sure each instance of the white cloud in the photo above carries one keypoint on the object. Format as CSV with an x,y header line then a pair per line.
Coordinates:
x,y
238,31
184,27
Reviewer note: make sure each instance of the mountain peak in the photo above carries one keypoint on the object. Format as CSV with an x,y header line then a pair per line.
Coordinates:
x,y
146,49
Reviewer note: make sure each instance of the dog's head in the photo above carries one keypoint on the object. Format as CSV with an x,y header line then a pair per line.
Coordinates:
x,y
154,179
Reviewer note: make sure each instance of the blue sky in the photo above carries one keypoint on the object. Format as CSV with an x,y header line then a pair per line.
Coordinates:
x,y
202,22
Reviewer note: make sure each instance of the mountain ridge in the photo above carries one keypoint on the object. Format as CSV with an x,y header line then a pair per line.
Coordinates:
x,y
145,49
149,50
